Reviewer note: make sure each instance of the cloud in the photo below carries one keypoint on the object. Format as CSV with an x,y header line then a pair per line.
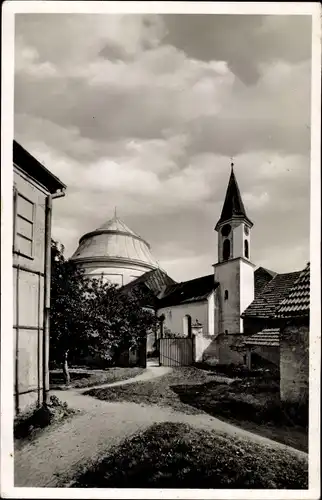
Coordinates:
x,y
144,113
244,41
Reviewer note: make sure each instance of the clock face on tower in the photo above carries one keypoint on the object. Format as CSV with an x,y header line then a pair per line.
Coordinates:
x,y
226,230
246,230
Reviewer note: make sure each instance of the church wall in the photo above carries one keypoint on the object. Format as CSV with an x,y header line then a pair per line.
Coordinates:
x,y
174,316
118,275
228,276
238,233
211,314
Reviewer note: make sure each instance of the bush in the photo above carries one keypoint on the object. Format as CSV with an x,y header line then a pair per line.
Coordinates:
x,y
175,455
40,417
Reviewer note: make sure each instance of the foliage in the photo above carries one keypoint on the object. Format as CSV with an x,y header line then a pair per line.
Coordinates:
x,y
90,317
27,424
168,334
67,318
176,455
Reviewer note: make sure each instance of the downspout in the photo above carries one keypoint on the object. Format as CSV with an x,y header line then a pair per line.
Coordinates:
x,y
47,283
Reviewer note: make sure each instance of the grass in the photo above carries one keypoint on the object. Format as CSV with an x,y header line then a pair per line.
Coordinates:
x,y
28,425
171,455
251,401
157,391
86,378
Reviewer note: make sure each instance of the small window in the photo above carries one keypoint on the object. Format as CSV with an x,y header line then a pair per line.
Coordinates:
x,y
226,250
226,295
23,223
226,332
246,248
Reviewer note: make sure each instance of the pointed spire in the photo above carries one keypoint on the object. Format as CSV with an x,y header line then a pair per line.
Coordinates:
x,y
233,205
115,216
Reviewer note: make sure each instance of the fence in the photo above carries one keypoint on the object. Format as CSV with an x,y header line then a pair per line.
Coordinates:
x,y
176,352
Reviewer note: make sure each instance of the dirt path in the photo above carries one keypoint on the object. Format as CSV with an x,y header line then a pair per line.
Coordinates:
x,y
152,371
57,455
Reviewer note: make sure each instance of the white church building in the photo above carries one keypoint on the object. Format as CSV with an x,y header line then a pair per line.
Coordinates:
x,y
222,309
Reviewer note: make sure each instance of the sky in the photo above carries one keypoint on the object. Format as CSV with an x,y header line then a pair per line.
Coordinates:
x,y
145,112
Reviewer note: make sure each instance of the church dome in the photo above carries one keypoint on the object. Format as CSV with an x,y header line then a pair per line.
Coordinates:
x,y
115,251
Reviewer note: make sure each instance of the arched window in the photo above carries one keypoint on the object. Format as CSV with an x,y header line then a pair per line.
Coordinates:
x,y
226,332
226,295
246,249
226,250
187,325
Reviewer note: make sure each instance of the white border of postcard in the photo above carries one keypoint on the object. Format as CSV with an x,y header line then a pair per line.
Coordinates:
x,y
9,9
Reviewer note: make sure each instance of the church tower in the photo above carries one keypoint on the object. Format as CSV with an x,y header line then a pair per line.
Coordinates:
x,y
234,271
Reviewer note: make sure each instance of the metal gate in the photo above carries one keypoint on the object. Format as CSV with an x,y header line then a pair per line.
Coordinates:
x,y
176,352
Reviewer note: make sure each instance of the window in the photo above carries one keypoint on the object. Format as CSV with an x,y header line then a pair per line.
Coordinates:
x,y
187,325
226,250
246,249
23,225
226,332
226,295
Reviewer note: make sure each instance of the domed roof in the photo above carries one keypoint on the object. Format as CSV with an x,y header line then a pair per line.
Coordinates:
x,y
115,241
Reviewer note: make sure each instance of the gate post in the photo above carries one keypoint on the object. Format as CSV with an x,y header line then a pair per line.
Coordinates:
x,y
193,348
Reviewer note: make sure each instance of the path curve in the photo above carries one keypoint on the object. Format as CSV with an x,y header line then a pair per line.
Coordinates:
x,y
150,373
63,451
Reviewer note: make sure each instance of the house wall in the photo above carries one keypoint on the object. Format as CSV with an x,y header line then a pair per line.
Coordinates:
x,y
174,316
255,325
268,353
294,363
28,289
247,290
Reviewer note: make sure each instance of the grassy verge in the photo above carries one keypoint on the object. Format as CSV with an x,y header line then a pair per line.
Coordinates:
x,y
87,378
171,455
28,425
157,391
250,401
253,404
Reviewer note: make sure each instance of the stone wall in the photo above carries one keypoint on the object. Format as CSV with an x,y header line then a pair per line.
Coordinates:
x,y
294,363
219,350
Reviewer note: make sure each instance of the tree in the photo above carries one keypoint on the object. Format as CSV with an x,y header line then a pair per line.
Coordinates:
x,y
67,320
117,320
92,317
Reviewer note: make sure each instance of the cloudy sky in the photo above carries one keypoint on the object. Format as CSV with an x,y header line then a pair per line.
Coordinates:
x,y
145,111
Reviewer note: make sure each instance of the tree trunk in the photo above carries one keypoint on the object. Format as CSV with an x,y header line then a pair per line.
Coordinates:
x,y
65,369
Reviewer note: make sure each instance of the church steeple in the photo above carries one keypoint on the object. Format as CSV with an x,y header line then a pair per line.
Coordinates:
x,y
233,271
233,207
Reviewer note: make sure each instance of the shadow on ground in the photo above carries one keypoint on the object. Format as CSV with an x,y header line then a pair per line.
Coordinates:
x,y
253,404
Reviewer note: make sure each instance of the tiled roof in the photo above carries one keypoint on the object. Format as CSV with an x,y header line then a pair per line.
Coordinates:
x,y
188,291
266,303
261,277
269,337
297,302
154,280
233,204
